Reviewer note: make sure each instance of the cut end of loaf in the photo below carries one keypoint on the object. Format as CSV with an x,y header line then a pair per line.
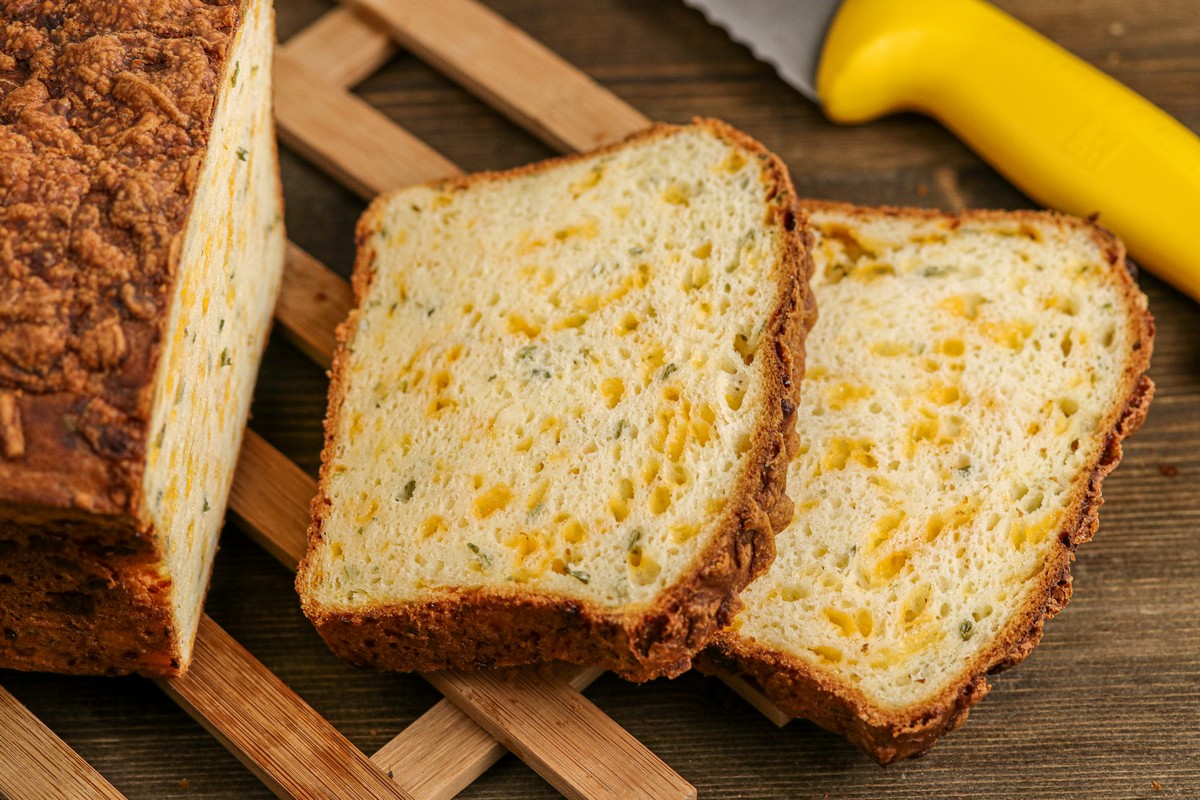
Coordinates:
x,y
561,412
970,382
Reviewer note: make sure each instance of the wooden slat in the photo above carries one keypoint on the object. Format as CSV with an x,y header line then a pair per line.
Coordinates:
x,y
447,751
561,740
509,70
37,765
343,47
312,303
346,137
270,500
279,737
439,754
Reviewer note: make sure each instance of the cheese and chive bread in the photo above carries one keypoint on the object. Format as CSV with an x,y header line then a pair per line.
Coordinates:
x,y
141,249
561,416
969,384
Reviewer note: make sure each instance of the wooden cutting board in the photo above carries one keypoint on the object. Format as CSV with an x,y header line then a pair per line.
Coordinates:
x,y
1108,705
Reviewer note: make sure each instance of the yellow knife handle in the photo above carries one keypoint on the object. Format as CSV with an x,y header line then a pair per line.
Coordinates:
x,y
1065,133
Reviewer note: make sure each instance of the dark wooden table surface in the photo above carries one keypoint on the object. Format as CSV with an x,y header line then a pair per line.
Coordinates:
x,y
1107,706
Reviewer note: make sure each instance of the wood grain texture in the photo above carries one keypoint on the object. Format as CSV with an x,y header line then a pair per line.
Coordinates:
x,y
270,500
344,46
445,747
342,134
1105,706
561,734
37,765
292,749
510,70
312,303
449,750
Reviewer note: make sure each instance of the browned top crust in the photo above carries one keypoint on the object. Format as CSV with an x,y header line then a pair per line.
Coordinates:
x,y
105,113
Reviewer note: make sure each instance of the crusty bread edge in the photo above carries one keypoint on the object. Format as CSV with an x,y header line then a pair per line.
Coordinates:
x,y
888,735
489,627
121,589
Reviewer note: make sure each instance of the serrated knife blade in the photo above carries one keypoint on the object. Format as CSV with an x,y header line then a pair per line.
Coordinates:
x,y
787,34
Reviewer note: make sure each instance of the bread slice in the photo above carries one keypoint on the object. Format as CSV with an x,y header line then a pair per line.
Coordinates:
x,y
141,249
969,385
559,417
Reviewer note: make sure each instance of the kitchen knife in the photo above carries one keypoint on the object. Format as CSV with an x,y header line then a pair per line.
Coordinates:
x,y
1065,133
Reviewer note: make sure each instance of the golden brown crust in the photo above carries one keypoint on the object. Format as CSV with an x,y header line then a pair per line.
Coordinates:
x,y
105,114
103,124
507,628
802,691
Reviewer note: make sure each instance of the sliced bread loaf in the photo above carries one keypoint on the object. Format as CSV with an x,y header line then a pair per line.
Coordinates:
x,y
141,249
560,415
969,384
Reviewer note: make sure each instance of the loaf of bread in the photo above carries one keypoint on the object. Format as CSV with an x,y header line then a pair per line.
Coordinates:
x,y
560,415
141,249
969,385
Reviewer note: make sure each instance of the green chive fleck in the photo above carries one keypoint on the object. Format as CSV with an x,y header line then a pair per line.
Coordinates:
x,y
483,557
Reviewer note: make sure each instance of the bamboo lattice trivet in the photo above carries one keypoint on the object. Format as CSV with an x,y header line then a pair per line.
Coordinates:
x,y
539,715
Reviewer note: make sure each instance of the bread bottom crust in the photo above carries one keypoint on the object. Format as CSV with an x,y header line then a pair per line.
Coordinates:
x,y
479,629
82,596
